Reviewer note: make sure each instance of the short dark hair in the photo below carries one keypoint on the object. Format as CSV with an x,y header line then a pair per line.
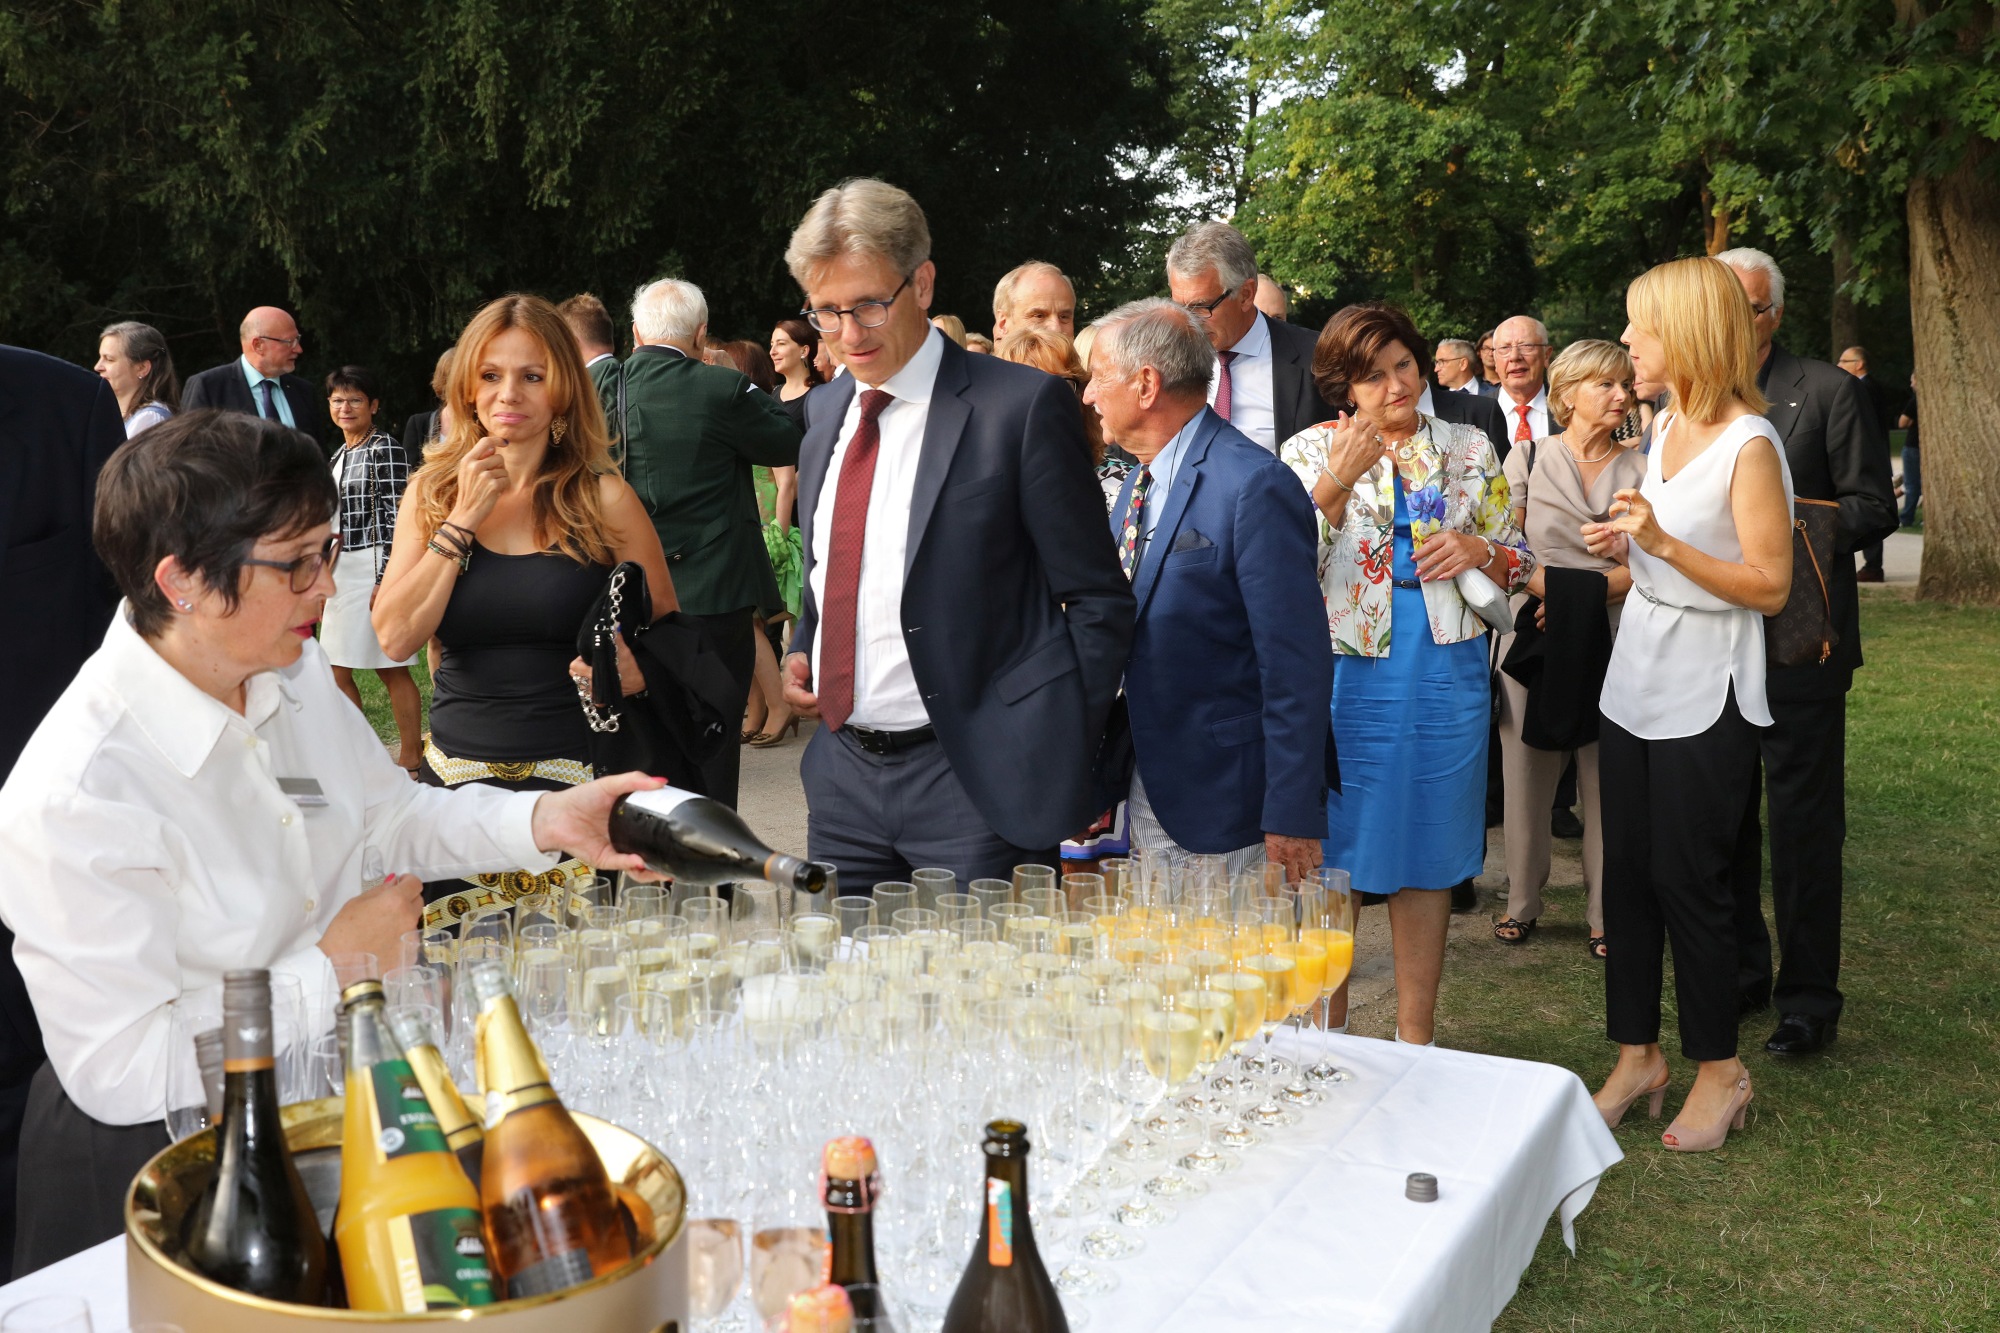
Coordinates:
x,y
588,319
1351,341
204,487
358,378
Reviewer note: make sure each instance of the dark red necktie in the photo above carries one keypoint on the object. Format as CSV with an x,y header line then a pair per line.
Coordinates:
x,y
843,563
1225,387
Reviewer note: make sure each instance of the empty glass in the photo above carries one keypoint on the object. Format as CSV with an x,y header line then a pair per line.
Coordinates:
x,y
195,1012
930,884
48,1314
854,912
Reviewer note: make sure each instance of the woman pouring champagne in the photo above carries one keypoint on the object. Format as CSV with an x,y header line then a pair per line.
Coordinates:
x,y
202,799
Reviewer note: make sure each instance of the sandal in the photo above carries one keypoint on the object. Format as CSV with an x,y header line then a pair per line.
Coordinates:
x,y
1597,947
1510,931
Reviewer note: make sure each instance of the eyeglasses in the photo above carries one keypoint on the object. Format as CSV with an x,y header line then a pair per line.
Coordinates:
x,y
1762,310
347,402
1447,360
293,341
1205,309
868,314
304,571
1508,349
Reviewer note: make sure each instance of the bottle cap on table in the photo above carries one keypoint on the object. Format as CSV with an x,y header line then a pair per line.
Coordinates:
x,y
1421,1187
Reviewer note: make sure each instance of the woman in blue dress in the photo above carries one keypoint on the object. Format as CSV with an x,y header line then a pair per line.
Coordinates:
x,y
1407,504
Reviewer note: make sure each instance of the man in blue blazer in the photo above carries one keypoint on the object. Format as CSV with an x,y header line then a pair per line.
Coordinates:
x,y
964,622
1231,667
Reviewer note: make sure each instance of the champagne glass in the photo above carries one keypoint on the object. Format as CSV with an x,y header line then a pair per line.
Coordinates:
x,y
892,897
488,923
1116,871
583,893
1032,877
991,893
953,908
536,909
1335,930
1079,887
191,1014
544,971
1308,901
48,1314
715,1272
854,912
1277,967
1170,1043
423,984
932,884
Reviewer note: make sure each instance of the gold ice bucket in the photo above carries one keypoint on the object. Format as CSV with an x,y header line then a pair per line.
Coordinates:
x,y
647,1295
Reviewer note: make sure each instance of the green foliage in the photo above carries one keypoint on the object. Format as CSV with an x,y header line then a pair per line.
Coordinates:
x,y
383,166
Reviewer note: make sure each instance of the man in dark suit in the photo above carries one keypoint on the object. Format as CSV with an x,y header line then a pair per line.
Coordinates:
x,y
423,427
1854,360
965,622
1231,667
1467,409
1454,366
58,423
1263,382
692,433
1837,450
261,382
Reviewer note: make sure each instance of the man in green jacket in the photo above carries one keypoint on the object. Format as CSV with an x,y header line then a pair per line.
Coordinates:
x,y
691,434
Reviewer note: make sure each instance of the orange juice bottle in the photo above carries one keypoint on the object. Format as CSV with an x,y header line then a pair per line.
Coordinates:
x,y
409,1231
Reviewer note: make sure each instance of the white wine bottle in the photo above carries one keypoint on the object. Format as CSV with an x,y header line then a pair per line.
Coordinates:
x,y
700,841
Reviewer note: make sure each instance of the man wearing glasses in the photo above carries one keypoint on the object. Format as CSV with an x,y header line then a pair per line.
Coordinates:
x,y
260,382
1263,381
965,621
1521,350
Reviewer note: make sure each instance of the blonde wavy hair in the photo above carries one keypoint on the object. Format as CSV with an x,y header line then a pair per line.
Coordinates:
x,y
1581,362
1707,332
567,503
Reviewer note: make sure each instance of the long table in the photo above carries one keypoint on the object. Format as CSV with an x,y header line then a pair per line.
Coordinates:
x,y
1313,1231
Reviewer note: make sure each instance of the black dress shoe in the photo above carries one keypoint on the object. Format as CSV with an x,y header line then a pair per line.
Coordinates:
x,y
1463,898
1564,823
1801,1034
1750,1002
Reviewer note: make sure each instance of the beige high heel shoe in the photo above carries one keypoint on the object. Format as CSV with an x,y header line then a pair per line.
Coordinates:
x,y
1715,1134
1655,1096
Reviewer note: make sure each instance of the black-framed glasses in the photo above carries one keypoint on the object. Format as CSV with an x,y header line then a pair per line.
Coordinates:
x,y
1205,309
304,571
294,341
868,314
1762,310
1508,349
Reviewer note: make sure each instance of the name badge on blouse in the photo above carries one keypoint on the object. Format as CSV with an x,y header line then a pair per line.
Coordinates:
x,y
305,792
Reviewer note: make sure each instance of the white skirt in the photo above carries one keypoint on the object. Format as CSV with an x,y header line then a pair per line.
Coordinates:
x,y
346,634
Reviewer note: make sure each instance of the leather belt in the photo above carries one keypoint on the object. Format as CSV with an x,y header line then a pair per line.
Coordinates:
x,y
888,742
1409,583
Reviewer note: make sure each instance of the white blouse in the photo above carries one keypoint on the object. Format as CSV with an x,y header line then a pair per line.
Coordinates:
x,y
1680,647
146,848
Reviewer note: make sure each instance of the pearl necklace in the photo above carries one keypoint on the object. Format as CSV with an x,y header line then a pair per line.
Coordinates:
x,y
1610,449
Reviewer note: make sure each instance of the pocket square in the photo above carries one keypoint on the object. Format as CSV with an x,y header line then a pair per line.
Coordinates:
x,y
1191,540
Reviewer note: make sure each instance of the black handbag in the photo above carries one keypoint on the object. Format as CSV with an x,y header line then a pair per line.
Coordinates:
x,y
680,722
1802,634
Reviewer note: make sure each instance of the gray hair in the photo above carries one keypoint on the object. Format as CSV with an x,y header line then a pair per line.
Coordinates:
x,y
1758,262
1541,329
669,310
1003,291
859,217
1213,245
1161,334
1457,347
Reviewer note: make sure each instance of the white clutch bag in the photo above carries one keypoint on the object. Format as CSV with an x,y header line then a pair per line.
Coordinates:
x,y
1486,599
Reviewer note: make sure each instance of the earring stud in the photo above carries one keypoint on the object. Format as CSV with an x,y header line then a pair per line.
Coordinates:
x,y
185,606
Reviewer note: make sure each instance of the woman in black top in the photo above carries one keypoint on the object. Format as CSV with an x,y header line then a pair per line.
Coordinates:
x,y
505,538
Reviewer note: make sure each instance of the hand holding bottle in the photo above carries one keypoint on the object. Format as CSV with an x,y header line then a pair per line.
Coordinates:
x,y
577,821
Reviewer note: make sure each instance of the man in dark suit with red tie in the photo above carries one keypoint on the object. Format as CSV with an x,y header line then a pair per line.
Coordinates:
x,y
965,620
260,382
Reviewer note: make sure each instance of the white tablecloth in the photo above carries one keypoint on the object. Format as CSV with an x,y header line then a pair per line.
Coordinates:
x,y
1313,1231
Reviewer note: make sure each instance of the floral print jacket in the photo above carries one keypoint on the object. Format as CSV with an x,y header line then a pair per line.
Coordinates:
x,y
1455,484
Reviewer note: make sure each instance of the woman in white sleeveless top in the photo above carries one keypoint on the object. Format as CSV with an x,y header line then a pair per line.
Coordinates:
x,y
1708,540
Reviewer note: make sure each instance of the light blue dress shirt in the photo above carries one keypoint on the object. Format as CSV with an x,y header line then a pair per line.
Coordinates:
x,y
1164,466
257,377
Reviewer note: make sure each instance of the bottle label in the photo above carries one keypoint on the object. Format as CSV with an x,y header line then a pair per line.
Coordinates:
x,y
558,1272
999,1223
441,1260
661,802
403,1118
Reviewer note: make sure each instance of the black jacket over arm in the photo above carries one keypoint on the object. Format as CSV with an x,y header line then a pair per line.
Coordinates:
x,y
1016,615
1837,450
1466,409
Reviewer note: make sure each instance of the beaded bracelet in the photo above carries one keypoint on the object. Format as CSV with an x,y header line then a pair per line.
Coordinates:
x,y
463,559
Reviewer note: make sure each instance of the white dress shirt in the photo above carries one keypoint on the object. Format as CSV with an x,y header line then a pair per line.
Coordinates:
x,y
885,686
146,848
1539,424
256,377
1252,398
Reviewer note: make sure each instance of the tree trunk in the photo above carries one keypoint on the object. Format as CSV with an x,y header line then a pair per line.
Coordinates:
x,y
1955,313
1714,223
1845,324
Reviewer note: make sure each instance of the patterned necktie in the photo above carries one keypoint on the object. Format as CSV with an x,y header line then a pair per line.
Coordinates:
x,y
843,563
1521,432
1128,540
270,408
1224,389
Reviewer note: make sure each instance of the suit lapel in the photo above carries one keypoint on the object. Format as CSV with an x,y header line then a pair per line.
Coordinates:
x,y
816,451
944,426
1782,390
1186,478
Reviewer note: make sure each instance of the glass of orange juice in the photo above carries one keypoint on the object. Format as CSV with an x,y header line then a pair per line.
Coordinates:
x,y
1334,927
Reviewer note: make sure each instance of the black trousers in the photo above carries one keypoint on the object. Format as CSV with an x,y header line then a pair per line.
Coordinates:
x,y
1805,787
734,634
74,1174
1671,810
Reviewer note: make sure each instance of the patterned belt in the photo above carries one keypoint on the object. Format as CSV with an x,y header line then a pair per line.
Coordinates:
x,y
569,772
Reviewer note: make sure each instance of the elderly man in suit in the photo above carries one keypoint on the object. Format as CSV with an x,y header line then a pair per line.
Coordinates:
x,y
965,623
59,424
1521,351
1229,672
1263,383
1034,295
692,432
260,381
1837,450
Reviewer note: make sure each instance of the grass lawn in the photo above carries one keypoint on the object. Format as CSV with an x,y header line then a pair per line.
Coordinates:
x,y
375,700
1865,1192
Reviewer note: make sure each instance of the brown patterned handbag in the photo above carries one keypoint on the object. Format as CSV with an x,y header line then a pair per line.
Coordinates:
x,y
1802,634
